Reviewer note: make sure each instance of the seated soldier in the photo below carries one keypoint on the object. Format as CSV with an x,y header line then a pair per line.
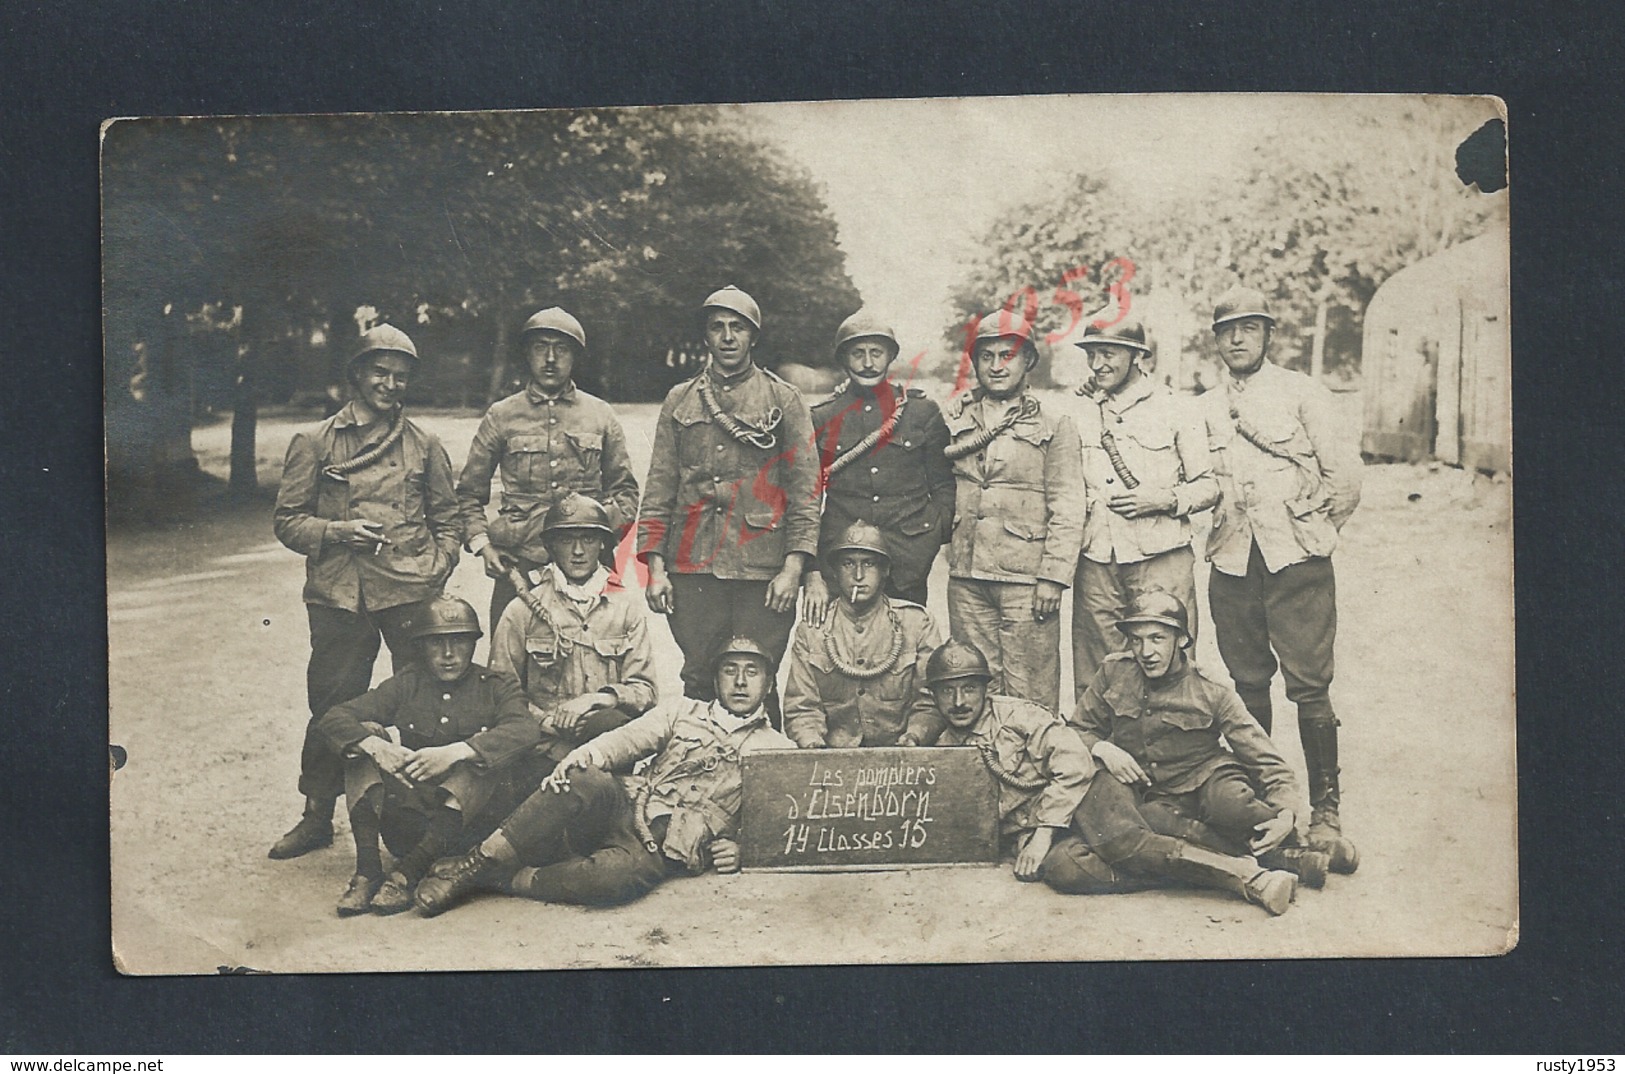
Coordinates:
x,y
1078,832
458,724
1154,721
859,678
584,837
579,650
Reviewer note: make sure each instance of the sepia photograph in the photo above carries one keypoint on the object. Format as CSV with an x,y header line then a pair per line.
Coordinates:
x,y
950,530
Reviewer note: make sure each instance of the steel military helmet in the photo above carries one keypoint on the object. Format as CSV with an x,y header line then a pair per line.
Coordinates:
x,y
556,319
734,300
742,646
1129,332
445,615
1006,324
577,512
865,325
1240,302
1158,606
956,660
860,536
382,337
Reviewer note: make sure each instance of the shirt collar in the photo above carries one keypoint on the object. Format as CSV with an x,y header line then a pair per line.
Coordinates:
x,y
721,379
539,397
1138,393
348,416
731,723
1264,373
585,593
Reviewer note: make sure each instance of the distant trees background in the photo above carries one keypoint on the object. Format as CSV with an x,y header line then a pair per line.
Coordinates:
x,y
1317,217
242,257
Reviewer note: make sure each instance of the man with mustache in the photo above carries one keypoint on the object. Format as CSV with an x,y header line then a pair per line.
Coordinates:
x,y
881,449
1200,766
367,498
1147,470
585,837
1018,515
1076,829
859,678
459,725
730,519
1289,479
549,440
577,642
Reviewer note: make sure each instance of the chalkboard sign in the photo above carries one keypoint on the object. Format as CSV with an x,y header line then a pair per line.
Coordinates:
x,y
855,809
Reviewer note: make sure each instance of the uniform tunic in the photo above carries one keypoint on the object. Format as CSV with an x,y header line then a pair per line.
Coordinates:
x,y
409,491
546,448
576,649
1031,743
484,709
823,707
694,779
903,484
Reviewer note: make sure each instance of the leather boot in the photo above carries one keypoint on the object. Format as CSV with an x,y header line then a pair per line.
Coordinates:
x,y
314,831
394,895
357,898
1306,863
1272,889
447,883
1319,737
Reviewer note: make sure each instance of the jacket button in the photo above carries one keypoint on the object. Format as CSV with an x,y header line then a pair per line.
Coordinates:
x,y
719,447
874,469
445,719
861,691
1111,481
876,499
445,697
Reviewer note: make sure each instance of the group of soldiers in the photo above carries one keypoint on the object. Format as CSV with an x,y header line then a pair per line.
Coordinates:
x,y
556,772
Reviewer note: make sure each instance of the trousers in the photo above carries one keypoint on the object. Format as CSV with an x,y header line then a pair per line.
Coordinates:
x,y
708,613
1226,808
343,648
580,845
1288,620
997,618
404,812
1102,593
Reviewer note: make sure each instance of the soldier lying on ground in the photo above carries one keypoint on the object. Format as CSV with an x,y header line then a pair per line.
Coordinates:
x,y
458,722
579,650
859,678
585,837
1154,721
1076,829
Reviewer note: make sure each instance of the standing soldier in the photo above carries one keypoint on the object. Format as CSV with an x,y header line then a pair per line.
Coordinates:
x,y
859,678
367,499
579,649
1288,483
881,447
1147,470
549,440
1018,516
730,519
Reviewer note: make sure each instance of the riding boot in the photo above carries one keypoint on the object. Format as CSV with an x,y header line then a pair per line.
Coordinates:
x,y
1319,736
1176,859
314,830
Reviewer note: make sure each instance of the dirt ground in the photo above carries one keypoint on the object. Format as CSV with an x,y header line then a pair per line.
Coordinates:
x,y
208,645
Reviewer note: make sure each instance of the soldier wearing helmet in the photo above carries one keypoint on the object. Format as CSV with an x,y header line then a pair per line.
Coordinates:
x,y
585,837
1289,476
367,498
459,726
730,519
549,440
577,642
1147,470
1199,765
1018,515
1066,823
858,679
880,446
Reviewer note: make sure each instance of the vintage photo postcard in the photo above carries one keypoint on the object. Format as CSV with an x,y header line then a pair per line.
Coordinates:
x,y
963,530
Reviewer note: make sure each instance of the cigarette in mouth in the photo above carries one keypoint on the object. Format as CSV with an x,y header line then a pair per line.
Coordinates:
x,y
854,593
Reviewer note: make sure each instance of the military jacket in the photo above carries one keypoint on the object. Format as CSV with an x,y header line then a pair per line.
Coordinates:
x,y
575,650
1173,726
1162,442
717,506
903,484
825,707
1292,499
482,708
1031,743
694,777
1019,511
408,490
546,448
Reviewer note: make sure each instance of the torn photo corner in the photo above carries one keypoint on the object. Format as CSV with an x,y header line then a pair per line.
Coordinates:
x,y
533,535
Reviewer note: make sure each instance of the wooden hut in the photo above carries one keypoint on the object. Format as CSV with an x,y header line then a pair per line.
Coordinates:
x,y
1437,360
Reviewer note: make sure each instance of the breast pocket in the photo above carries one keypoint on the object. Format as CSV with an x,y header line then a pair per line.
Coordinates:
x,y
583,461
544,664
1019,545
526,463
761,540
611,652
